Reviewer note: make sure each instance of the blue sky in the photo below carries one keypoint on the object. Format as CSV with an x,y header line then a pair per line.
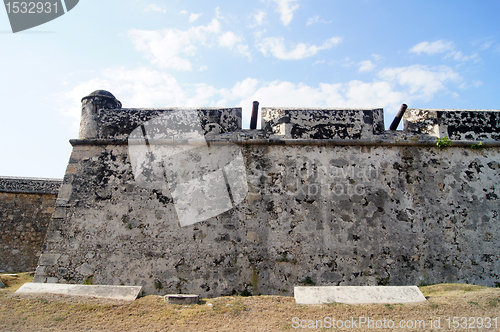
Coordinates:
x,y
297,53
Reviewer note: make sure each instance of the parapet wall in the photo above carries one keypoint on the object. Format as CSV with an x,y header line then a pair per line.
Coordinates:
x,y
26,207
456,124
297,123
367,207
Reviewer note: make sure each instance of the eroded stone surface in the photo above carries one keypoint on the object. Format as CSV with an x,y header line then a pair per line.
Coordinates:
x,y
456,124
119,123
340,215
29,185
324,214
26,206
300,123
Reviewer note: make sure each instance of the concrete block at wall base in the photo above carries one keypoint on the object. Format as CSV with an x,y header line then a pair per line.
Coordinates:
x,y
125,293
181,299
358,294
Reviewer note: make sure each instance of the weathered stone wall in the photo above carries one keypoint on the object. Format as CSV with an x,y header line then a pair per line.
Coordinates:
x,y
26,207
456,124
372,209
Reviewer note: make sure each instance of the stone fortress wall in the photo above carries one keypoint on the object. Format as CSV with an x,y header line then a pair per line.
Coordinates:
x,y
318,196
26,207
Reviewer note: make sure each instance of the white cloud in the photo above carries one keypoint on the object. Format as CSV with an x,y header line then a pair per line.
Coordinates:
x,y
459,56
259,17
218,13
439,46
169,48
145,87
474,84
442,46
353,94
366,66
231,40
244,88
347,62
422,82
286,8
258,34
228,39
140,87
315,19
184,12
276,47
486,45
193,17
243,50
153,7
240,90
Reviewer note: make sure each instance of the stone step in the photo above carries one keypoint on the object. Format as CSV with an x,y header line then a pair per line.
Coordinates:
x,y
357,294
125,293
181,298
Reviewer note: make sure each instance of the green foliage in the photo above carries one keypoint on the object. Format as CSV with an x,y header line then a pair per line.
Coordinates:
x,y
383,281
433,305
307,281
89,280
255,281
478,146
158,285
444,142
494,302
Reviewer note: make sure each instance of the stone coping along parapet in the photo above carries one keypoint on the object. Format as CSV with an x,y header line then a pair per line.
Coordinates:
x,y
29,185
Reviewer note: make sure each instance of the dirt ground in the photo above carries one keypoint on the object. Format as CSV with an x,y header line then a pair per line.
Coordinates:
x,y
449,307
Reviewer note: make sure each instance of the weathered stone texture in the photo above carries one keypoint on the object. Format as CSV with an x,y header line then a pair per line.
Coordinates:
x,y
26,206
310,123
456,124
29,185
315,213
119,123
23,224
